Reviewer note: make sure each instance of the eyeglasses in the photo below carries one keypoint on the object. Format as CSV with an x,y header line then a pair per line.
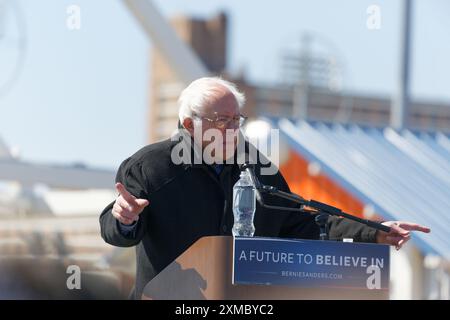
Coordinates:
x,y
221,122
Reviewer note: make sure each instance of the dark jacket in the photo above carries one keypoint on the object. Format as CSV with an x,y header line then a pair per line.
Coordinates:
x,y
189,201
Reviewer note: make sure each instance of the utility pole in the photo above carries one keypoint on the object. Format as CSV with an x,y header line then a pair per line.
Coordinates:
x,y
401,102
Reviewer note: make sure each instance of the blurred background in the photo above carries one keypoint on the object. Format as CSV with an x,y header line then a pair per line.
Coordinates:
x,y
359,91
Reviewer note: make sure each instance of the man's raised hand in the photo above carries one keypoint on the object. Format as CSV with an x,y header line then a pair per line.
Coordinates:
x,y
127,207
400,233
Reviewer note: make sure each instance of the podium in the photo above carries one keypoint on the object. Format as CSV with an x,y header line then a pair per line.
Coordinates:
x,y
220,268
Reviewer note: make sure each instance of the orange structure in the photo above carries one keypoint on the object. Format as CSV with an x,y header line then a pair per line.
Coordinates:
x,y
318,187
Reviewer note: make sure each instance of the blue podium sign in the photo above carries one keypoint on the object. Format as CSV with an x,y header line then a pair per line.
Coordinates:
x,y
310,263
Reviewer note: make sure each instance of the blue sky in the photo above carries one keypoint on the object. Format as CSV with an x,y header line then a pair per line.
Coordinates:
x,y
82,95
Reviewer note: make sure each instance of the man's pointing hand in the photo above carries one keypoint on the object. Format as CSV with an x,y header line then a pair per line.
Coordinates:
x,y
127,207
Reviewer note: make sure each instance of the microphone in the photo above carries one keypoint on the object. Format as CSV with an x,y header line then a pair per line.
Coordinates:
x,y
251,173
322,208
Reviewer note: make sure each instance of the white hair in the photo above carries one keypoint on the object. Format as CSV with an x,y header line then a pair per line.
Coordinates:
x,y
200,91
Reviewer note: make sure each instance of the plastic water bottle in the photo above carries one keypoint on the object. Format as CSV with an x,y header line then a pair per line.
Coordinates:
x,y
244,206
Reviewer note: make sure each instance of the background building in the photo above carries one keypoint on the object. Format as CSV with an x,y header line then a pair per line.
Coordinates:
x,y
294,96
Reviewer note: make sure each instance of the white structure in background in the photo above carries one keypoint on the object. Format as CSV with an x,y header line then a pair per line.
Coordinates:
x,y
180,57
29,188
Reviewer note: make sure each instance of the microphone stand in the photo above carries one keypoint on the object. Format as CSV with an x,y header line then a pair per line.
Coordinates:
x,y
322,210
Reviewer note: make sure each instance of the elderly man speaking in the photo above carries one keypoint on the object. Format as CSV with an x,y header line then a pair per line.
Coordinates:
x,y
164,204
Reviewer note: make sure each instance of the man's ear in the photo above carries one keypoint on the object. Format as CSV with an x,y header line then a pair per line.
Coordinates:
x,y
188,124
